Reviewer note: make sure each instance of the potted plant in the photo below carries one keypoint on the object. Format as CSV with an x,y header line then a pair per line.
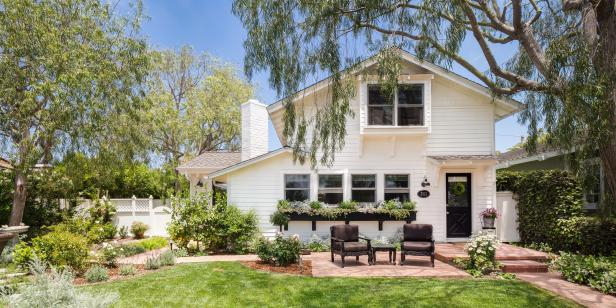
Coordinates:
x,y
489,215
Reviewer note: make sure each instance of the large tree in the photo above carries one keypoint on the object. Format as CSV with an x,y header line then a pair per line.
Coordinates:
x,y
196,101
564,65
67,68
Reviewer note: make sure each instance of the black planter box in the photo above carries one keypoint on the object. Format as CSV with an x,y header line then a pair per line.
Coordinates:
x,y
354,216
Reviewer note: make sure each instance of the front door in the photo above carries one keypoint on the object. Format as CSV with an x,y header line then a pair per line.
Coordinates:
x,y
458,204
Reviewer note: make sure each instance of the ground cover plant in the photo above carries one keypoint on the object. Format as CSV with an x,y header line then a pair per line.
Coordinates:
x,y
598,272
224,284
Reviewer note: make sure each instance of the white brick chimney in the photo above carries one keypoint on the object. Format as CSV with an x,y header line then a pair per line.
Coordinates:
x,y
254,129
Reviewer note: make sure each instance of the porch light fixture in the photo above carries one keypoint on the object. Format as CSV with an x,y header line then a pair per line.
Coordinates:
x,y
425,182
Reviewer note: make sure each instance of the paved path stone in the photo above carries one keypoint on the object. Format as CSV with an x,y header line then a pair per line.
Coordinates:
x,y
413,267
581,294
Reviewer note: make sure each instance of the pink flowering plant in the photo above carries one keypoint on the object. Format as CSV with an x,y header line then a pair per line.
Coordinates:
x,y
489,213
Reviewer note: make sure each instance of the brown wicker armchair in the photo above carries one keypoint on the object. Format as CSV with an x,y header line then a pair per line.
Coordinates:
x,y
417,241
345,242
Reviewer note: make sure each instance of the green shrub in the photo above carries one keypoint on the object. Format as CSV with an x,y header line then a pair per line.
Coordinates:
x,y
586,235
347,205
102,211
283,204
127,270
94,232
315,205
180,252
282,251
155,242
123,232
482,254
550,213
218,226
167,258
152,263
129,250
54,288
96,273
279,218
138,229
318,244
598,272
108,255
58,248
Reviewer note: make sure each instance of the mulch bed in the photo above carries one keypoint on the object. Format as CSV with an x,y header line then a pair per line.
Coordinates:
x,y
114,275
293,269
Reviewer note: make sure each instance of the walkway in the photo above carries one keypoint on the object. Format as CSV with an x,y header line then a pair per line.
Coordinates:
x,y
578,293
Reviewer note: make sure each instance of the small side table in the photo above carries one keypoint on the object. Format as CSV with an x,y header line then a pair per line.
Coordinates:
x,y
384,247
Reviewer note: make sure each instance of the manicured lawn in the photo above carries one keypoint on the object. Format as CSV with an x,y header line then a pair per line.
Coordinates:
x,y
228,284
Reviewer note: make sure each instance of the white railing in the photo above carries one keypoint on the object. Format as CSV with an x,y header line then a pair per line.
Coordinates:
x,y
150,211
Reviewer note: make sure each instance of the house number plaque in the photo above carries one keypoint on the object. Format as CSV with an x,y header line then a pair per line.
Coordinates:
x,y
423,194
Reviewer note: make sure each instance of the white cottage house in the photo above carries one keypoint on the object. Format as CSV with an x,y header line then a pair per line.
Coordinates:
x,y
437,135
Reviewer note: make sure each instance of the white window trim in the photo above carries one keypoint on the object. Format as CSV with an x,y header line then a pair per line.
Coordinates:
x,y
408,188
366,129
284,185
342,184
375,188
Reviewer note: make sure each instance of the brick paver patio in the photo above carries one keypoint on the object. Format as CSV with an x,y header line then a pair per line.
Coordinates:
x,y
414,266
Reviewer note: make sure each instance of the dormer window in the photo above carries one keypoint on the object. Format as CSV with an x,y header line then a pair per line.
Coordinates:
x,y
405,108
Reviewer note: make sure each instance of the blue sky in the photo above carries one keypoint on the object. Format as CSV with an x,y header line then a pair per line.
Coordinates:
x,y
209,25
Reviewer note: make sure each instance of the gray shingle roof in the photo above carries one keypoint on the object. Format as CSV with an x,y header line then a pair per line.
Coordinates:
x,y
521,153
212,160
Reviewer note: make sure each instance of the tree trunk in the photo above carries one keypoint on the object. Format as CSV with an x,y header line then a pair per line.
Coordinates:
x,y
605,63
19,198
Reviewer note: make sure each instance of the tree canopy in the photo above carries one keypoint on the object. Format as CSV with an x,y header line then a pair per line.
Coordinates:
x,y
196,101
66,69
564,66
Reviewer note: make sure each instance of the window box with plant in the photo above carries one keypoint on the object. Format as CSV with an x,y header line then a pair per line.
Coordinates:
x,y
391,210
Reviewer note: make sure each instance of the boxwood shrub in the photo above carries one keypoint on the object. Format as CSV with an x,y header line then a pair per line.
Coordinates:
x,y
550,212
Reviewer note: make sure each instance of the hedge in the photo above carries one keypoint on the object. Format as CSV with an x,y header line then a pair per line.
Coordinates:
x,y
550,211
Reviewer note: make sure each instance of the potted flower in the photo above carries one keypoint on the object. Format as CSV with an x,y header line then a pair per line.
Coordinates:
x,y
489,215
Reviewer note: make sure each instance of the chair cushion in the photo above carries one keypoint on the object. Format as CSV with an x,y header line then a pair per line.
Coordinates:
x,y
417,232
345,232
417,246
355,246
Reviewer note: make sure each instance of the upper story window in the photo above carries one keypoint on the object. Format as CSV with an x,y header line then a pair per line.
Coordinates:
x,y
405,108
297,187
363,187
397,187
330,188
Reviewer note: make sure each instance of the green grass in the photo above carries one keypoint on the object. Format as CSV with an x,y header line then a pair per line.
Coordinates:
x,y
226,284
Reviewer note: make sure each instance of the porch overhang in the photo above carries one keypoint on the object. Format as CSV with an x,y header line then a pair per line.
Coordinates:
x,y
440,162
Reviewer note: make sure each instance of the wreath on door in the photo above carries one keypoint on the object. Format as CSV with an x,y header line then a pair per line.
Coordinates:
x,y
458,189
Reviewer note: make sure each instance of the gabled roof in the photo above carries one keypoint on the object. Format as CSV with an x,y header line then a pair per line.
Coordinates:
x,y
211,161
509,103
249,162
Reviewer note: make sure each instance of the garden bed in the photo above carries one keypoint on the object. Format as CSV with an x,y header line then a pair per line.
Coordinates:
x,y
114,275
304,269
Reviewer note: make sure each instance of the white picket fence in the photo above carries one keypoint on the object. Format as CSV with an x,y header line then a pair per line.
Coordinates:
x,y
150,211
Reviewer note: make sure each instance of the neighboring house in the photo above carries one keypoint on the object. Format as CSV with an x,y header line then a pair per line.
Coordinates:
x,y
549,159
439,129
